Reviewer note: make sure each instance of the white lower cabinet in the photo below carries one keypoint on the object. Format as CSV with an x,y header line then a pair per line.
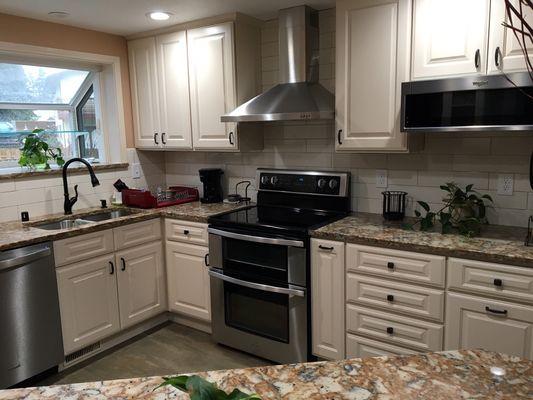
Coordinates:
x,y
88,301
479,323
188,280
327,298
360,347
141,283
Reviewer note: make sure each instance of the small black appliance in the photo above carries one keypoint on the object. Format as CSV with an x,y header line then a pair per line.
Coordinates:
x,y
211,179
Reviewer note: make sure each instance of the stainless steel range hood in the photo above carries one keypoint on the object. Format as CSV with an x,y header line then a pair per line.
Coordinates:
x,y
298,96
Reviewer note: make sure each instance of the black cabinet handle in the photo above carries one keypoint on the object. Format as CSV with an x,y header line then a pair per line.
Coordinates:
x,y
185,231
325,247
230,137
390,265
498,282
123,264
493,311
163,138
497,56
390,297
155,138
477,58
112,268
339,136
206,260
390,330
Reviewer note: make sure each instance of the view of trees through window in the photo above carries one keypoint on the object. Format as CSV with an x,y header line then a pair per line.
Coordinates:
x,y
54,99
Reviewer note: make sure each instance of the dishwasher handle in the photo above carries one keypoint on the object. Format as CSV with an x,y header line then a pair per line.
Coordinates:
x,y
24,258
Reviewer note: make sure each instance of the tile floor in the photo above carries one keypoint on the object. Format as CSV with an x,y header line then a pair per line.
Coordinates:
x,y
166,350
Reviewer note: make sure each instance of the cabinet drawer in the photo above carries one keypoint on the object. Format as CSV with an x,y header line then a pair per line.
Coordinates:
x,y
395,296
361,347
138,233
478,323
185,231
491,279
82,247
395,329
395,264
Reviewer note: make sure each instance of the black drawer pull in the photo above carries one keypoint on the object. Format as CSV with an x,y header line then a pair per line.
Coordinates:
x,y
230,138
339,133
112,268
498,282
477,59
206,260
390,330
163,138
493,311
390,297
155,138
123,264
390,265
325,247
185,231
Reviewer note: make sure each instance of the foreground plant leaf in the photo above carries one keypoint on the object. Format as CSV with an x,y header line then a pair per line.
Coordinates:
x,y
200,389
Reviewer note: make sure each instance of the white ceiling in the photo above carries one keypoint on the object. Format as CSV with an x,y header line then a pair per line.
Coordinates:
x,y
125,17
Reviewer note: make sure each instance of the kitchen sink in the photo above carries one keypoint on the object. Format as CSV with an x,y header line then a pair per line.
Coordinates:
x,y
107,215
64,224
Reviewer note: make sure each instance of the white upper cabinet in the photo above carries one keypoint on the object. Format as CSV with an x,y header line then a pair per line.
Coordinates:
x,y
212,82
373,55
449,37
143,76
173,78
505,53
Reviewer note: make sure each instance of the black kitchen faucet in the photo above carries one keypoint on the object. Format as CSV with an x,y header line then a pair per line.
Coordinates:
x,y
69,202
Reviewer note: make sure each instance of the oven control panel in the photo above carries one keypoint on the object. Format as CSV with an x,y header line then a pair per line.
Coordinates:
x,y
309,182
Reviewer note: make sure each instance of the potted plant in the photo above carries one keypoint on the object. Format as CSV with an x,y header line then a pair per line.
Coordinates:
x,y
36,153
201,389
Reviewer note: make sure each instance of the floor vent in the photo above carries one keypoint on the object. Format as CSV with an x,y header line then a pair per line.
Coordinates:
x,y
82,353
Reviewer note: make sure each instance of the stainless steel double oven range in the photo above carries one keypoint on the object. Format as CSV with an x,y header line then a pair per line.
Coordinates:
x,y
259,262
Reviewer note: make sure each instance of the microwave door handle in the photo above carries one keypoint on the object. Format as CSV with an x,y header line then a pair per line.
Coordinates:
x,y
258,286
256,239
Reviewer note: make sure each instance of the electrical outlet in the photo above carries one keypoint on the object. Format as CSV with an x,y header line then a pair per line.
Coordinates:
x,y
136,171
381,178
505,184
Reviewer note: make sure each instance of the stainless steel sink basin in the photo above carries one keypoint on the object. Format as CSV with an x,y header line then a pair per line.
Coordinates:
x,y
64,224
107,215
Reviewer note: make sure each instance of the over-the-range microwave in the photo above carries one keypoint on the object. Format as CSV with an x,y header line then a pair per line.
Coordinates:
x,y
474,103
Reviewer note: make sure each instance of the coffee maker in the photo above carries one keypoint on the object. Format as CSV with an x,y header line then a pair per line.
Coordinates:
x,y
211,178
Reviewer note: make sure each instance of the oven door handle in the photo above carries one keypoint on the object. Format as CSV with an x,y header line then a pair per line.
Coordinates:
x,y
258,286
257,239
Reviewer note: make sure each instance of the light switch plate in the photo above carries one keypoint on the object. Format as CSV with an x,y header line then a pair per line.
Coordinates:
x,y
381,178
505,184
136,171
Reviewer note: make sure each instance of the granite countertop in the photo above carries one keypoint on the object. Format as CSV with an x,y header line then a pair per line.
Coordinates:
x,y
500,244
18,234
463,374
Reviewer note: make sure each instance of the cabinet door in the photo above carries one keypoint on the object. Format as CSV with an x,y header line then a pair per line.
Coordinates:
x,y
188,280
372,61
145,102
141,283
361,347
328,304
505,53
449,37
88,301
173,79
478,323
212,85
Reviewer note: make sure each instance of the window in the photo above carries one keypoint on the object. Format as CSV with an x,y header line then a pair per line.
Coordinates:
x,y
60,101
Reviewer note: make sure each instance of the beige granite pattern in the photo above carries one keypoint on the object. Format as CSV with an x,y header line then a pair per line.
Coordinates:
x,y
463,374
497,243
17,234
26,173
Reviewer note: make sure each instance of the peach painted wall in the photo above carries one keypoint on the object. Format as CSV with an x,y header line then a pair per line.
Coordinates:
x,y
39,33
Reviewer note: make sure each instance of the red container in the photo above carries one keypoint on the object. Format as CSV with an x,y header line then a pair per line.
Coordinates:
x,y
145,199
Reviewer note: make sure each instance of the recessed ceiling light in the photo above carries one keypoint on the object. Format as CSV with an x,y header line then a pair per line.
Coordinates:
x,y
59,14
159,15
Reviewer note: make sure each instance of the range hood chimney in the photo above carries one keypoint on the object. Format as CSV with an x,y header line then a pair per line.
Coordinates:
x,y
298,96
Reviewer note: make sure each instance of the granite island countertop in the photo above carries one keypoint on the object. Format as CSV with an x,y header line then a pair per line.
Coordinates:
x,y
499,244
463,374
18,234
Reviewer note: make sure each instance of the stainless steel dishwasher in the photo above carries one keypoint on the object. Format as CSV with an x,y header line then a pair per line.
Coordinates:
x,y
30,324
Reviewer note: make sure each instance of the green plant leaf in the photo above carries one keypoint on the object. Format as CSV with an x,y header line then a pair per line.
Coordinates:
x,y
486,196
424,205
469,187
445,188
418,214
